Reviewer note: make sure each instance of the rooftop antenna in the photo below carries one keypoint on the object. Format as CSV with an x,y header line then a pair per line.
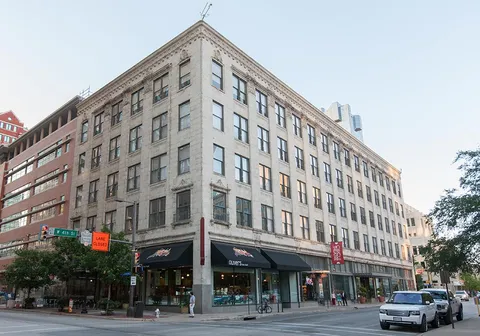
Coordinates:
x,y
85,93
204,13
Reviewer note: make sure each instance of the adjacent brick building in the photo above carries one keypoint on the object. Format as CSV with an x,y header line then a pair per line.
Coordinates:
x,y
11,128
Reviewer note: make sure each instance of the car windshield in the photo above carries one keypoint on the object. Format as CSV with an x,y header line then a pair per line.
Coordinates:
x,y
406,298
438,295
460,292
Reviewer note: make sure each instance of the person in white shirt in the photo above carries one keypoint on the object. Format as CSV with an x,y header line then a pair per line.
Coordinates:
x,y
192,304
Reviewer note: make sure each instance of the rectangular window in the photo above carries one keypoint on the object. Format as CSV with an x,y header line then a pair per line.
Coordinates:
x,y
267,218
353,212
98,123
184,74
356,240
379,222
401,210
380,178
350,184
384,202
305,227
371,217
387,183
302,192
158,168
184,116
285,185
239,89
297,125
376,197
299,158
129,217
399,192
287,223
346,153
137,101
240,128
320,231
333,233
375,245
356,163
265,177
282,149
160,88
330,203
324,143
78,196
116,113
345,238
114,148
219,200
369,193
93,191
217,75
244,212
397,251
91,223
280,113
314,166
328,172
110,219
374,174
366,243
96,156
133,177
336,150
217,115
382,246
343,207
112,185
160,127
312,138
394,228
184,159
390,249
400,232
84,132
363,216
157,212
81,163
135,139
183,206
390,204
242,169
218,159
397,210
317,198
387,225
359,189
365,169
339,177
263,139
261,103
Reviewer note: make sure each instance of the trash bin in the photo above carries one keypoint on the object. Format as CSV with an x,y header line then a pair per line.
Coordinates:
x,y
139,307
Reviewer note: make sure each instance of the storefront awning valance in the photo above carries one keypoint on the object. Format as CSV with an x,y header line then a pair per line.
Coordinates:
x,y
168,255
283,261
237,256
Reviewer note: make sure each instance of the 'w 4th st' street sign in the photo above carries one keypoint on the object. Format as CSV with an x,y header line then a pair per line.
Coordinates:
x,y
62,233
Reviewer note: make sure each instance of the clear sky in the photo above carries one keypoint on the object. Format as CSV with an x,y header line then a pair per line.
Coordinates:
x,y
411,69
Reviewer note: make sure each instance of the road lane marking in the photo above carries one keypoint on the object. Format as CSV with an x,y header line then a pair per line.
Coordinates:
x,y
342,328
40,330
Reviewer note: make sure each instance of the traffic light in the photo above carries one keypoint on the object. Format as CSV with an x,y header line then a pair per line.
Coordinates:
x,y
43,232
137,258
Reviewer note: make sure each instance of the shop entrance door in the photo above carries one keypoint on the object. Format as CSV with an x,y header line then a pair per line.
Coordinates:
x,y
285,289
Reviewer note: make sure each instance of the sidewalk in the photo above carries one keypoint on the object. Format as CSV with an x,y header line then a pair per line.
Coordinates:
x,y
469,327
149,316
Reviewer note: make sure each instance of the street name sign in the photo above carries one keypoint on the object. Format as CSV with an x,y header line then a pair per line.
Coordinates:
x,y
62,232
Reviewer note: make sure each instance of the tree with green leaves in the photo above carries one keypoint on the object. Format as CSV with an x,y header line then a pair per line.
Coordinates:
x,y
71,257
31,269
456,215
471,282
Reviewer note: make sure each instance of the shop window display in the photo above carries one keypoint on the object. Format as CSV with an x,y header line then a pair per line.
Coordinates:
x,y
270,287
167,287
233,287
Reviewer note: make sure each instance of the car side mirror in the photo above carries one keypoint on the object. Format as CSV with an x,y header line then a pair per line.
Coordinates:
x,y
427,302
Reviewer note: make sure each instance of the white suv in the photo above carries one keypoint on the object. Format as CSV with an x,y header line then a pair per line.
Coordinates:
x,y
445,311
407,308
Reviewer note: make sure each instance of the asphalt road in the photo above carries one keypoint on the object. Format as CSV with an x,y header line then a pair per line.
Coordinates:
x,y
362,322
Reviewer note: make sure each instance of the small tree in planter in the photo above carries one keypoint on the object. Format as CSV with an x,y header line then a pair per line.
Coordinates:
x,y
362,293
184,304
381,293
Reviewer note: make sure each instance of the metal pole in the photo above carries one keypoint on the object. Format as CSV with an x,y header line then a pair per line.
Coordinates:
x,y
131,308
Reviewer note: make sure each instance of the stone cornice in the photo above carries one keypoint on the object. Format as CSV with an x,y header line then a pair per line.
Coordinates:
x,y
254,73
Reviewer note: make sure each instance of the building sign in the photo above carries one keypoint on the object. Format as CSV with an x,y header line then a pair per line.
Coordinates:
x,y
101,241
237,263
241,253
336,253
160,253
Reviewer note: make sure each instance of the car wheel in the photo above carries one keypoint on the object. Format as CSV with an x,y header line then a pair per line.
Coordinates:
x,y
424,325
384,325
436,321
460,313
448,317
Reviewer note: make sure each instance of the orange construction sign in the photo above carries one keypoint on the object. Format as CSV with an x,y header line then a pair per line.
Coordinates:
x,y
101,241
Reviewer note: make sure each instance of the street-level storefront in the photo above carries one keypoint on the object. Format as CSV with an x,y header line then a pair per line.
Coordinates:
x,y
168,274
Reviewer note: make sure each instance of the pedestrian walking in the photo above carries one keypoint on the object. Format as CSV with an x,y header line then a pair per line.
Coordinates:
x,y
192,304
333,299
344,299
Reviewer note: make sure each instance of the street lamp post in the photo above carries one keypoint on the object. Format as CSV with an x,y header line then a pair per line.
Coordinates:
x,y
131,307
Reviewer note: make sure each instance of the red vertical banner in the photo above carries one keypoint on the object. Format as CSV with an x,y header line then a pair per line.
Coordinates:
x,y
336,253
202,241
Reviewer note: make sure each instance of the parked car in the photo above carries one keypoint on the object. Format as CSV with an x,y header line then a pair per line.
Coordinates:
x,y
445,311
409,308
462,295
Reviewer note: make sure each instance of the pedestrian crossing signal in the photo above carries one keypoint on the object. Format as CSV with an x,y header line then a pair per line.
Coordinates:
x,y
43,232
137,258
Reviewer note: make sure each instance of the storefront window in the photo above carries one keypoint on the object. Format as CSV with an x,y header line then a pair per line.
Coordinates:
x,y
270,287
343,284
167,287
233,286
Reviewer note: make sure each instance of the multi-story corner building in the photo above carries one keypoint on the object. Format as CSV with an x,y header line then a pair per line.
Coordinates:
x,y
36,176
342,115
11,128
241,183
420,232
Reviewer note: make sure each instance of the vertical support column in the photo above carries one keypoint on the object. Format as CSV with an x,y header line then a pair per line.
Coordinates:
x,y
35,138
42,133
22,146
50,128
16,150
69,116
59,122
